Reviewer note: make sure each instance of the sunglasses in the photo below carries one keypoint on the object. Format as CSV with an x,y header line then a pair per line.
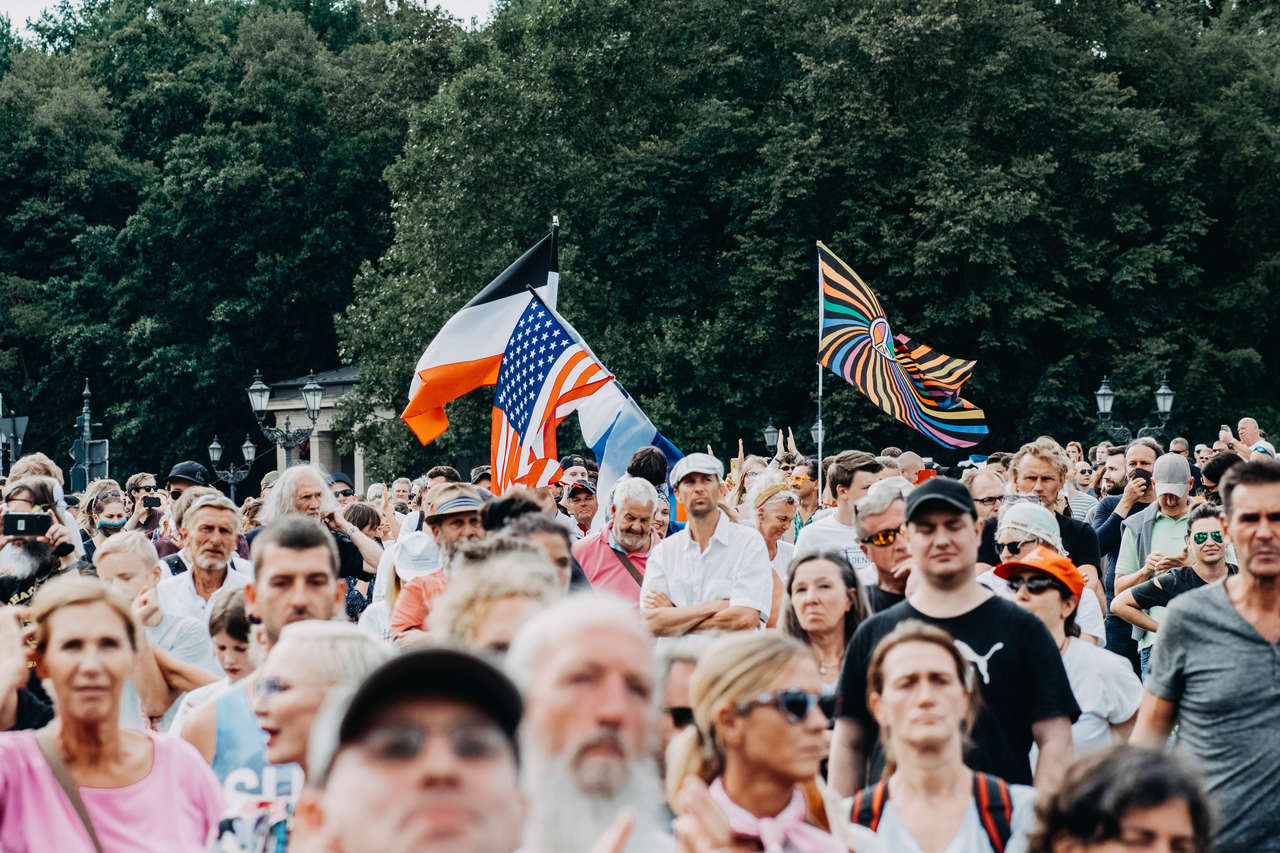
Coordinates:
x,y
796,704
1035,584
884,537
175,494
801,478
344,493
150,488
1017,547
990,501
680,716
469,742
1201,538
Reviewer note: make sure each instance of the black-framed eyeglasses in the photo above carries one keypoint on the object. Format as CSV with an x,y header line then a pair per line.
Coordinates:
x,y
680,715
996,500
1017,547
795,704
1201,538
884,537
344,493
1035,584
398,742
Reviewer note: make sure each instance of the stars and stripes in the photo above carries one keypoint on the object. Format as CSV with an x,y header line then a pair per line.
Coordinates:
x,y
546,374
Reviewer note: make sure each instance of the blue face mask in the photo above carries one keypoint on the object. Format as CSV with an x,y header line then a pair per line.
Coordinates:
x,y
109,527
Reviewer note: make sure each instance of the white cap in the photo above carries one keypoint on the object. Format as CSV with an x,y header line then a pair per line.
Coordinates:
x,y
697,463
1172,475
416,555
1032,520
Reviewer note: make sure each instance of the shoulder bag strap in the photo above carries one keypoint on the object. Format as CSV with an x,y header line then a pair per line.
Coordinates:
x,y
868,805
53,756
629,566
994,808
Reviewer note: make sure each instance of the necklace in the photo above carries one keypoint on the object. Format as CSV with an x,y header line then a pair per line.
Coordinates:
x,y
1062,647
823,666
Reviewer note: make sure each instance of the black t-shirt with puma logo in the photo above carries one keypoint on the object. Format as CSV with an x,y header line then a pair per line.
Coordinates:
x,y
1017,669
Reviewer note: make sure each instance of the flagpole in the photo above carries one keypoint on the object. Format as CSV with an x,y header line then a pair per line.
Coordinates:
x,y
821,370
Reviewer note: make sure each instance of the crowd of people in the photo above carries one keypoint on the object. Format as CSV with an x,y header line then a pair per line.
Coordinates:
x,y
1054,650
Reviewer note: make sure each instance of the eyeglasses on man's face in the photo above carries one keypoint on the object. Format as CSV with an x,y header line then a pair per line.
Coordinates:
x,y
884,537
1201,538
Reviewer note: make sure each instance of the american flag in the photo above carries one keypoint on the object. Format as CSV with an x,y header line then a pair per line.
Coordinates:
x,y
546,374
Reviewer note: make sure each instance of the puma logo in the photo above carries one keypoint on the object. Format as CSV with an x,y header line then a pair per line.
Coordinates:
x,y
980,661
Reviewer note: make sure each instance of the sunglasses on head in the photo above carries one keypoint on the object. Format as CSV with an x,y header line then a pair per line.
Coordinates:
x,y
1035,584
1201,538
344,493
795,704
884,537
680,716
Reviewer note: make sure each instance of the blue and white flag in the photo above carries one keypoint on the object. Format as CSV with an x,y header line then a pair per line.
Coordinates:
x,y
614,427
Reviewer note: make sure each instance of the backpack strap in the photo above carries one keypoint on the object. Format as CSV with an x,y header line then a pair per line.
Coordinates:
x,y
995,809
868,805
176,566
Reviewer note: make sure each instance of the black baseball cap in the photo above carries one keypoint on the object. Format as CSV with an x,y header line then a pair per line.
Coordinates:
x,y
940,490
191,471
434,671
584,485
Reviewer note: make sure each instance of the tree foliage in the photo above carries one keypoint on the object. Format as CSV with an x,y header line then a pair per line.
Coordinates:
x,y
189,189
1061,191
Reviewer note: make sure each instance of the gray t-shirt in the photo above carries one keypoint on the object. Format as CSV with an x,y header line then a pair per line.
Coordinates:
x,y
186,639
1225,678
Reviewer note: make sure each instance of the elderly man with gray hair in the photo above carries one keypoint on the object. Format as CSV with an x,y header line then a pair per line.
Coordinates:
x,y
302,490
614,558
880,516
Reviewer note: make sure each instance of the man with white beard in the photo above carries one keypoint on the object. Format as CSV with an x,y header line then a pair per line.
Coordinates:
x,y
586,669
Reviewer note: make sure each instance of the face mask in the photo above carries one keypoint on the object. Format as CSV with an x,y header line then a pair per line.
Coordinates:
x,y
109,527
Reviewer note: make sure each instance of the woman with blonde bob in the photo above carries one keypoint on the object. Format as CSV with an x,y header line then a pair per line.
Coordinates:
x,y
922,691
755,745
83,782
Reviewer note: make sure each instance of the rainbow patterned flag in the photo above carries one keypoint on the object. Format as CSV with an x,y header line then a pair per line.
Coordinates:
x,y
910,381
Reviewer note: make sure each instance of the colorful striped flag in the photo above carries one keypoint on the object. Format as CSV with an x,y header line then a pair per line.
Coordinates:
x,y
546,375
915,384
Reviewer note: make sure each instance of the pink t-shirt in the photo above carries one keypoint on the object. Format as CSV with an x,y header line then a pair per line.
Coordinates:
x,y
604,570
174,808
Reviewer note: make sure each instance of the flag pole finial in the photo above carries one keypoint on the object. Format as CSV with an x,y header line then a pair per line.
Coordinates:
x,y
555,222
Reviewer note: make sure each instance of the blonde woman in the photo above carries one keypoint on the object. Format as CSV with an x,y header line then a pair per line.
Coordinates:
x,y
755,746
921,691
83,777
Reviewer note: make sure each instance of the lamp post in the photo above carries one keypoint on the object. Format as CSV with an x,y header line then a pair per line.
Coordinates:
x,y
235,473
260,394
771,437
1121,434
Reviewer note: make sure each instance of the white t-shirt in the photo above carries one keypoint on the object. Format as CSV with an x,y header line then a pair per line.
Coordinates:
x,y
735,566
178,597
376,622
1089,616
828,534
893,834
190,701
785,552
1106,690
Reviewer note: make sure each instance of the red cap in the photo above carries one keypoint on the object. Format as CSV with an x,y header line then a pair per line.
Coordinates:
x,y
1048,561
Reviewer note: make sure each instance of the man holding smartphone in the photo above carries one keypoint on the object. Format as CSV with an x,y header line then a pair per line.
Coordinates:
x,y
147,503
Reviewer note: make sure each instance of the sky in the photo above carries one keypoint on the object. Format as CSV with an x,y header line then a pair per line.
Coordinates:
x,y
20,10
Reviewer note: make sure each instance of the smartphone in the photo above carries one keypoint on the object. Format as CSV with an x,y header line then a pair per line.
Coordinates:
x,y
150,501
27,524
1141,474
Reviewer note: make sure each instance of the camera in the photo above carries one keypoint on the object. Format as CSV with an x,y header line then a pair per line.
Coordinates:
x,y
27,524
150,501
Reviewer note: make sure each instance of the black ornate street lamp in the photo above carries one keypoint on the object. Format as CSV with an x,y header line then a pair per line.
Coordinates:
x,y
1120,433
260,394
235,473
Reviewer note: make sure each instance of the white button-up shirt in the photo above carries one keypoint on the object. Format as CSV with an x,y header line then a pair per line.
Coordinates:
x,y
735,565
178,597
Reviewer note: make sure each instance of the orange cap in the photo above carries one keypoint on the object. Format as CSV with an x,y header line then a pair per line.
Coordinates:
x,y
1051,563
